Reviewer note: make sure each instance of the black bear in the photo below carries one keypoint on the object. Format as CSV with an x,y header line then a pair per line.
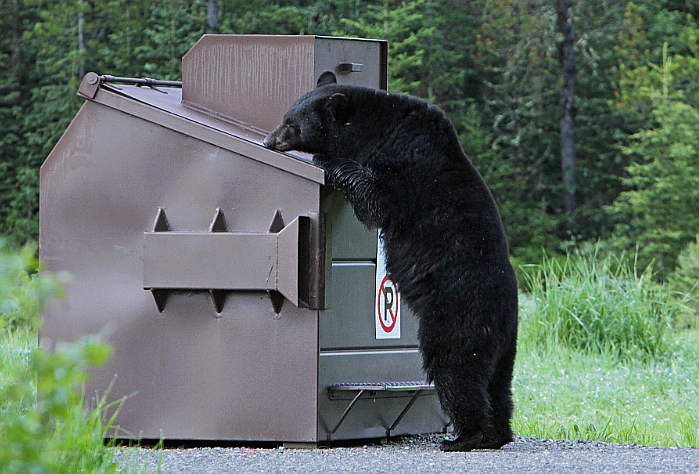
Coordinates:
x,y
399,163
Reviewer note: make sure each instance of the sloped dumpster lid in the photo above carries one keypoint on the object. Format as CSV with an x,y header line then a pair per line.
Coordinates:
x,y
163,106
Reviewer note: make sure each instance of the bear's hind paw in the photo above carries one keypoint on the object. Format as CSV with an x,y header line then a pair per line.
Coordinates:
x,y
474,441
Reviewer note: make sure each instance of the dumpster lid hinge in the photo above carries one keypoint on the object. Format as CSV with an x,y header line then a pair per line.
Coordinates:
x,y
91,82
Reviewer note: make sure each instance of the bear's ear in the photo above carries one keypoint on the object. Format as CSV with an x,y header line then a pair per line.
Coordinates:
x,y
336,106
327,77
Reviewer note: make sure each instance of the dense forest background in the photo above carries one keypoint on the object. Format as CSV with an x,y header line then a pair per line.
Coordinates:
x,y
583,116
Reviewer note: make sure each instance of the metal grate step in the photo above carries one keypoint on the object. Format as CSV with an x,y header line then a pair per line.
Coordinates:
x,y
362,388
380,386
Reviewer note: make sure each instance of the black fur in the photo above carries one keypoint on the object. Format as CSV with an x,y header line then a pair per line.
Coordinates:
x,y
399,163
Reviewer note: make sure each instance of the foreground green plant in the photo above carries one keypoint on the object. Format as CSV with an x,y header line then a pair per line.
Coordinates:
x,y
597,304
23,291
52,433
55,432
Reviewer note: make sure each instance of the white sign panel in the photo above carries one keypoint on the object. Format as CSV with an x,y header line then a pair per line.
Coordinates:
x,y
387,304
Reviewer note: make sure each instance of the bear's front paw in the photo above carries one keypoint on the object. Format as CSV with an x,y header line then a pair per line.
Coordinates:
x,y
321,160
328,164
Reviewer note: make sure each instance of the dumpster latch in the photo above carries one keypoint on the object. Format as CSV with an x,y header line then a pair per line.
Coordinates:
x,y
287,261
346,68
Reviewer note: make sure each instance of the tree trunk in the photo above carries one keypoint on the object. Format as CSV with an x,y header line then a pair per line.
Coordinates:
x,y
565,13
81,38
212,17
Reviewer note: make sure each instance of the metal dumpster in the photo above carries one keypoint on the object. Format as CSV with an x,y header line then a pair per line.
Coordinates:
x,y
240,294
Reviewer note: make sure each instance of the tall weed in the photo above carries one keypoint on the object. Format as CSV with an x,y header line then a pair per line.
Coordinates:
x,y
24,291
52,433
601,304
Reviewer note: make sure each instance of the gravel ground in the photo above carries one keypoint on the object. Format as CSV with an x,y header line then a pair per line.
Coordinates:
x,y
416,454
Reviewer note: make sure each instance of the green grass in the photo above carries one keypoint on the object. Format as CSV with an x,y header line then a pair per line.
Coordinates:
x,y
598,358
561,393
597,304
15,354
50,433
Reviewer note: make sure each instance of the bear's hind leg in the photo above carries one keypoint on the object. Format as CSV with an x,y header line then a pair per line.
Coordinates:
x,y
463,394
471,418
495,432
500,390
484,421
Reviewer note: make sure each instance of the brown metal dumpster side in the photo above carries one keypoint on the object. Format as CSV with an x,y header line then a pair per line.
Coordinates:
x,y
190,373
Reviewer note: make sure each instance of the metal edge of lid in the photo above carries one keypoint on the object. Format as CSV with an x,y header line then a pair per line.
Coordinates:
x,y
120,100
348,38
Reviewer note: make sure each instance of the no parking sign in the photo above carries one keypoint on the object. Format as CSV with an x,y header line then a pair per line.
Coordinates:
x,y
387,305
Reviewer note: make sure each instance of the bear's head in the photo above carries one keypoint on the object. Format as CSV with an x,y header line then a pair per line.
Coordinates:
x,y
332,120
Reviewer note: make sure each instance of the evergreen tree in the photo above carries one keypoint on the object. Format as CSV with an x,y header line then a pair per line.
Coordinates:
x,y
12,100
659,210
424,60
516,49
492,65
56,58
172,28
565,13
600,127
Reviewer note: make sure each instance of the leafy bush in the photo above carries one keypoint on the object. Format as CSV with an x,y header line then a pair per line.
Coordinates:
x,y
23,291
51,433
591,303
54,434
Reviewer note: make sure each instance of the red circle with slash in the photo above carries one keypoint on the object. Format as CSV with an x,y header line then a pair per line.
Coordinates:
x,y
388,287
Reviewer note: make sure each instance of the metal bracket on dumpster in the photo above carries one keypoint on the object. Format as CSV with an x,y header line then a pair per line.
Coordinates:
x,y
287,261
361,388
346,68
91,82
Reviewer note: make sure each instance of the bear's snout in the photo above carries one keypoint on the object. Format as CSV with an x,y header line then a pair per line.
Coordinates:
x,y
277,140
269,141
